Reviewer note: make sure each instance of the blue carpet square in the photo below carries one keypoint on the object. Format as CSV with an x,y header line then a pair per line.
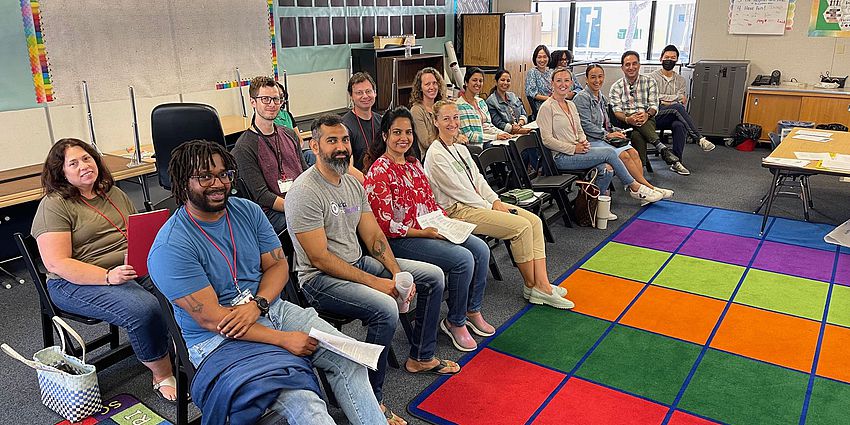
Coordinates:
x,y
800,233
734,223
675,213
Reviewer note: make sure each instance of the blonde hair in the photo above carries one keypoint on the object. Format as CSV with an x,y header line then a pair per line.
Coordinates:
x,y
561,69
437,108
416,95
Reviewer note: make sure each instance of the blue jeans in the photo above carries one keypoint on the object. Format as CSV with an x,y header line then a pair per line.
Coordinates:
x,y
348,380
129,306
309,157
597,157
465,265
676,119
379,311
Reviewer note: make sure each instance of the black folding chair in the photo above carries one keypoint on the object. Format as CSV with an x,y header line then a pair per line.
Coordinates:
x,y
32,259
557,186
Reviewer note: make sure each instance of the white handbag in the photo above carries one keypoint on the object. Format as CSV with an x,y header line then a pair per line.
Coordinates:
x,y
68,385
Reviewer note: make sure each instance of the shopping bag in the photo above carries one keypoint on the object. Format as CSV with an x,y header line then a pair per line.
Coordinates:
x,y
68,385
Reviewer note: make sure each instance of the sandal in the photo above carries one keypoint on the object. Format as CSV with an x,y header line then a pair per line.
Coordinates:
x,y
436,370
171,381
392,418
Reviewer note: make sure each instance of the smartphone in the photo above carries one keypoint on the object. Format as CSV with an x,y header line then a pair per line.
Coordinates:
x,y
512,211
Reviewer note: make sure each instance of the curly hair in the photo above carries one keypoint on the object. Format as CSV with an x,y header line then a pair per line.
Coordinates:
x,y
416,95
53,178
191,157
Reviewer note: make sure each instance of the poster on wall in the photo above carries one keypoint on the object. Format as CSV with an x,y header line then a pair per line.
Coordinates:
x,y
830,18
759,17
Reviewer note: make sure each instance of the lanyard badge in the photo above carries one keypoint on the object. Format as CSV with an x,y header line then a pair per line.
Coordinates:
x,y
244,297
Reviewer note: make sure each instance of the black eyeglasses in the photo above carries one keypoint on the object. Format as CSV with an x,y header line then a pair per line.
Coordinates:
x,y
207,179
269,99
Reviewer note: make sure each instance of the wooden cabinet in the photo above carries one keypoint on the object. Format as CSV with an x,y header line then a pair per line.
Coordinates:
x,y
501,40
767,106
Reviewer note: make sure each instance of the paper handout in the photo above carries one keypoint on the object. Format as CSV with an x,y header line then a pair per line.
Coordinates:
x,y
840,235
357,351
455,231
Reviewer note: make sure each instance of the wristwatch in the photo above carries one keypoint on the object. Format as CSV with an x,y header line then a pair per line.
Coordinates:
x,y
262,304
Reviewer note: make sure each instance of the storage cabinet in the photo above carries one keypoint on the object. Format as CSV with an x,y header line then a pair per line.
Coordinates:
x,y
717,96
501,40
379,64
766,106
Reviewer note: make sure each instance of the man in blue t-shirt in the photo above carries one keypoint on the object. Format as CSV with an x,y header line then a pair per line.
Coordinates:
x,y
219,261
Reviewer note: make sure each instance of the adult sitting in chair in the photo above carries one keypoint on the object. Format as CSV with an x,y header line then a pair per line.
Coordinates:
x,y
220,263
268,155
361,121
538,80
561,131
592,107
398,193
428,88
563,59
81,230
506,110
464,194
475,121
328,216
634,100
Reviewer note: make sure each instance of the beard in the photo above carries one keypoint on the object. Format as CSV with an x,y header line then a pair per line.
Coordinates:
x,y
201,202
338,165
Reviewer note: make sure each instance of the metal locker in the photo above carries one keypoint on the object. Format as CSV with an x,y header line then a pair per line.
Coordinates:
x,y
717,96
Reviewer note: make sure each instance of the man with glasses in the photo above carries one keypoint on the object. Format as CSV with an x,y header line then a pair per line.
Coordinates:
x,y
364,125
634,100
269,156
220,263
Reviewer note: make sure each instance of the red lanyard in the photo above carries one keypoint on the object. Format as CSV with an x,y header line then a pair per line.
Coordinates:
x,y
230,266
123,233
372,122
569,115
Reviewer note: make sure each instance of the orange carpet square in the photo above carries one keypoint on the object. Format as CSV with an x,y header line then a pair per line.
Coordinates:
x,y
600,295
834,362
674,313
772,337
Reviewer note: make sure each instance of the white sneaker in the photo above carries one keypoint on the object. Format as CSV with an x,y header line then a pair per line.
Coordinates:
x,y
552,300
645,194
665,193
611,216
705,144
680,169
526,291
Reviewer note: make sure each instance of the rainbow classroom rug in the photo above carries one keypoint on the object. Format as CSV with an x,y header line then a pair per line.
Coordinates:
x,y
122,409
685,315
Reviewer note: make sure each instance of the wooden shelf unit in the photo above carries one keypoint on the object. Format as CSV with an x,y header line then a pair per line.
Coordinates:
x,y
767,106
379,64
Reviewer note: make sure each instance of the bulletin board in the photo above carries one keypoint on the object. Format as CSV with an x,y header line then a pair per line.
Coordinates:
x,y
759,17
830,18
164,48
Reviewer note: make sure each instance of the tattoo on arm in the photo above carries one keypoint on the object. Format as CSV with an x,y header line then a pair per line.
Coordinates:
x,y
195,305
378,248
277,255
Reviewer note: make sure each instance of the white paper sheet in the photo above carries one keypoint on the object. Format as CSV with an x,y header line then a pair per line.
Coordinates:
x,y
834,164
531,126
787,162
813,156
455,231
811,138
839,236
357,351
815,133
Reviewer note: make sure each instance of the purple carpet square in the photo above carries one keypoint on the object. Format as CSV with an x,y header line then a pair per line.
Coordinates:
x,y
795,260
720,247
649,234
842,273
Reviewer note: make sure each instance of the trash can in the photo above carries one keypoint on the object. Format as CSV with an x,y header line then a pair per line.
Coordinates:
x,y
745,136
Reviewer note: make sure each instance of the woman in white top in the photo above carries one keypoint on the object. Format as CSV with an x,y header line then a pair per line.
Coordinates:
x,y
465,195
560,129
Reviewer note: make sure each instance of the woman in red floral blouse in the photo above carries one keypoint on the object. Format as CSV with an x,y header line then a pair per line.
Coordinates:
x,y
399,192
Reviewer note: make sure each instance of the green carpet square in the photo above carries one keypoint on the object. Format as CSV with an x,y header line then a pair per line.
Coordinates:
x,y
784,294
737,390
551,337
701,277
642,363
626,261
839,306
829,404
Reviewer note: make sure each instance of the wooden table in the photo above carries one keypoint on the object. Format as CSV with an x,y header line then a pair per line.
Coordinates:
x,y
233,124
840,144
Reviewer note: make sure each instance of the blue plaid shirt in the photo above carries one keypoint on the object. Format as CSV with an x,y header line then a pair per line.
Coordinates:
x,y
633,98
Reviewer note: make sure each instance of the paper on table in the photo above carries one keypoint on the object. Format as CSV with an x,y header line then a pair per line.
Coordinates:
x,y
531,126
814,133
835,164
357,351
813,156
786,161
842,157
811,138
455,231
840,235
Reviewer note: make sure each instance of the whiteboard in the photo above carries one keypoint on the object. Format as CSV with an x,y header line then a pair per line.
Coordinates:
x,y
764,17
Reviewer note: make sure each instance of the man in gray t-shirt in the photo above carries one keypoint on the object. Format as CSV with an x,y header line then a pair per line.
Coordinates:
x,y
328,216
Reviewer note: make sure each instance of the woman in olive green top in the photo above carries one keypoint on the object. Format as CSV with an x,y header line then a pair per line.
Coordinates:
x,y
81,230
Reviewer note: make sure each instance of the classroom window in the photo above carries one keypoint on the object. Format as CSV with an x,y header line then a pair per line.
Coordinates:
x,y
600,30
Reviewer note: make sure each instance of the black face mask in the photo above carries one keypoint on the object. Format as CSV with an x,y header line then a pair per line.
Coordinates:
x,y
668,64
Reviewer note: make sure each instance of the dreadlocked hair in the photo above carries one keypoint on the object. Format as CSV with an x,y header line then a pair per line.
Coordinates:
x,y
190,158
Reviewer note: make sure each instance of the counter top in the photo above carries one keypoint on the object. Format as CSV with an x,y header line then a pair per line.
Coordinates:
x,y
807,88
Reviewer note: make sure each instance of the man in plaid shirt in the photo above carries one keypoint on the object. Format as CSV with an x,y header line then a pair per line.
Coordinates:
x,y
634,99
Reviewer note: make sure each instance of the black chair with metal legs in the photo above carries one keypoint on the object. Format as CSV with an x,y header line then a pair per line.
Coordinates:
x,y
557,186
32,259
788,183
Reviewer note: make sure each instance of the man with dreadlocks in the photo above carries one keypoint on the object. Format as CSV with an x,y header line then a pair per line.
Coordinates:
x,y
220,263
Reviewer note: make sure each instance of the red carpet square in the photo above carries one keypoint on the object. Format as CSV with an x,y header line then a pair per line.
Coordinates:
x,y
600,295
584,403
513,391
674,313
772,337
681,418
834,362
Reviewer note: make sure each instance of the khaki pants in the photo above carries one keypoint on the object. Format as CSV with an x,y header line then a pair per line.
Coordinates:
x,y
524,230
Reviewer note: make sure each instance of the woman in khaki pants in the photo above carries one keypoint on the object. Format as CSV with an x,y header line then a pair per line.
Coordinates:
x,y
465,195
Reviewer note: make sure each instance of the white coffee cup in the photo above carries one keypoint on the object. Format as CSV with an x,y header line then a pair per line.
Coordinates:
x,y
603,207
403,284
601,223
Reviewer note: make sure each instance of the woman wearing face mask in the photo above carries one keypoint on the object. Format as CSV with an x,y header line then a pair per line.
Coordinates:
x,y
506,110
561,131
399,192
475,122
592,107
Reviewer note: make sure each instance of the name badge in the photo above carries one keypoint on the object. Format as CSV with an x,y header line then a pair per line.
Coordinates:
x,y
284,185
243,298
